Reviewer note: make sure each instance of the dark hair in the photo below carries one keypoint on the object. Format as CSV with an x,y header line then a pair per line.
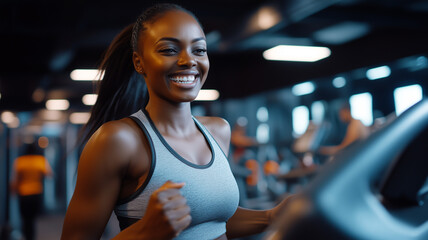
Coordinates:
x,y
32,149
123,91
151,15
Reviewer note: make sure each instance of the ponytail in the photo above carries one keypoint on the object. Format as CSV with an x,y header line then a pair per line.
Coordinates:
x,y
122,90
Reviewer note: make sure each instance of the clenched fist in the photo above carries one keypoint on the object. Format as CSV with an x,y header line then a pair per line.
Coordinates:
x,y
167,213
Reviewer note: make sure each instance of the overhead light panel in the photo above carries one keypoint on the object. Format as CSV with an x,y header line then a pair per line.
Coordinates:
x,y
262,114
296,53
339,82
89,99
407,96
8,117
207,95
79,117
378,72
86,74
57,104
303,88
51,115
267,17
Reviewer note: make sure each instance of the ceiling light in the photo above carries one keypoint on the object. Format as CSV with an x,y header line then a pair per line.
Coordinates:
x,y
296,53
8,117
89,99
57,104
339,82
379,72
14,124
86,74
79,117
51,115
303,88
262,114
38,95
207,95
267,17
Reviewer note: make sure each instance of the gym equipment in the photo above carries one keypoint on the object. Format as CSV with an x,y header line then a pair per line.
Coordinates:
x,y
374,190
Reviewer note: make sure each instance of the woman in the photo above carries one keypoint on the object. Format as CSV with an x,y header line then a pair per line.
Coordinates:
x,y
162,171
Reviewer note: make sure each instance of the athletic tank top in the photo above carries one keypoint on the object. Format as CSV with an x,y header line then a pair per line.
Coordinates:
x,y
211,190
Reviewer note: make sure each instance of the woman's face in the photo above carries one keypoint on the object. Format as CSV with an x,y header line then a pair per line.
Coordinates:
x,y
173,57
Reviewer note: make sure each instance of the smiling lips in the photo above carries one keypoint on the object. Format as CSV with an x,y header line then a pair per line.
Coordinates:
x,y
185,80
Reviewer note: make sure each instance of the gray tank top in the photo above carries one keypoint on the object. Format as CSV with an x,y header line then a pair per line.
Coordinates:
x,y
211,190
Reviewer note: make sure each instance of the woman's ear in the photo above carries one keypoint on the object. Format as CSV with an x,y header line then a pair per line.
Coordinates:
x,y
138,63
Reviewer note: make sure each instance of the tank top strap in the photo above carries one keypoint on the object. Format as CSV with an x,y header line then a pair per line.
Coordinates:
x,y
207,133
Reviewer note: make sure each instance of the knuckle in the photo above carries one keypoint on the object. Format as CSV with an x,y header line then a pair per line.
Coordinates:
x,y
187,209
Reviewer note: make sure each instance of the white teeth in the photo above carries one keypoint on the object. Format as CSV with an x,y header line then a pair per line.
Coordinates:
x,y
183,79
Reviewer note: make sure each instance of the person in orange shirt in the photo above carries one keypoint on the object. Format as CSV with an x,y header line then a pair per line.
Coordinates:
x,y
30,170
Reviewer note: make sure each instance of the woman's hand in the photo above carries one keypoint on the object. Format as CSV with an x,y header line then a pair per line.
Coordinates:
x,y
276,211
167,213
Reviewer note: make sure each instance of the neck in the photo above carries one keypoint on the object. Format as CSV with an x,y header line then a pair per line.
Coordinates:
x,y
170,117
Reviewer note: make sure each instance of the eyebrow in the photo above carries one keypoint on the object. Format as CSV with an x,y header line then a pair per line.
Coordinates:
x,y
177,41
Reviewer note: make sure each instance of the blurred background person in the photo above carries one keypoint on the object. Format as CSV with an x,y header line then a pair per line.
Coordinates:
x,y
29,171
355,131
239,140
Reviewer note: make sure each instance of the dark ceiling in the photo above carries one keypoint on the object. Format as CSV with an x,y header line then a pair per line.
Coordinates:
x,y
42,41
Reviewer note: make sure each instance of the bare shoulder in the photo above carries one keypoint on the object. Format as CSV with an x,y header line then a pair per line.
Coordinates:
x,y
116,140
219,129
215,124
121,133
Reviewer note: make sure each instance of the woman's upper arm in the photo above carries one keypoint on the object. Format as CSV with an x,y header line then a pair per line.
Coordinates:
x,y
102,165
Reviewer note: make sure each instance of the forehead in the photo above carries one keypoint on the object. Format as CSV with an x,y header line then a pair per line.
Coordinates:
x,y
175,24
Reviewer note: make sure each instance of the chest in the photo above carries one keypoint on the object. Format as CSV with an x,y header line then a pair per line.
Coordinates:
x,y
211,190
194,149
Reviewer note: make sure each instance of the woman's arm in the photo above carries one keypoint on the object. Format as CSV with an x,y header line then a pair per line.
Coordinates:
x,y
103,164
101,167
247,222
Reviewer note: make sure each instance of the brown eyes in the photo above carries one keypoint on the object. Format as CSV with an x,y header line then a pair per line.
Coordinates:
x,y
200,52
173,51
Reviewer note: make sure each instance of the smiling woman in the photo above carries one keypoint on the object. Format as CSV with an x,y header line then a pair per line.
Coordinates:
x,y
173,57
162,171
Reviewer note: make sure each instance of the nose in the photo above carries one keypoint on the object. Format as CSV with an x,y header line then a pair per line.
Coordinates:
x,y
186,59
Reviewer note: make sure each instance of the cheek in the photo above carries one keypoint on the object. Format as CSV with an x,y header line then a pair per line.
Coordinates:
x,y
155,67
206,65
